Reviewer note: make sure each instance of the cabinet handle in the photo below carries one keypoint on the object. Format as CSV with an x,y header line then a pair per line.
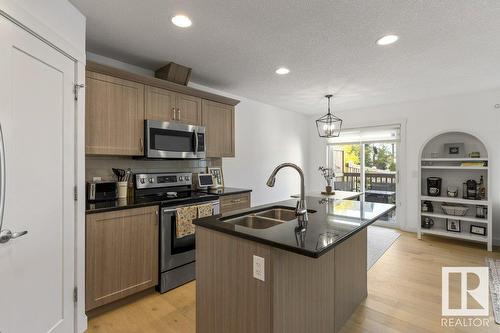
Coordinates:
x,y
173,112
141,144
178,114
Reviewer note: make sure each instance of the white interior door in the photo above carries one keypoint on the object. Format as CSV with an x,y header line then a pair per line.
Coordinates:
x,y
37,122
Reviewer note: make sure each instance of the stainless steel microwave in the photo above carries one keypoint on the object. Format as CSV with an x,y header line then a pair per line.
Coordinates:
x,y
173,140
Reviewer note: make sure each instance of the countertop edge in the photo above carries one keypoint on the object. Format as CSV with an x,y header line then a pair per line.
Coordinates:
x,y
112,209
233,190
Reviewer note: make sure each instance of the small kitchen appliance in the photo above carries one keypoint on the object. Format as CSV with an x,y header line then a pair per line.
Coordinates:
x,y
470,189
101,191
172,191
427,207
434,186
173,140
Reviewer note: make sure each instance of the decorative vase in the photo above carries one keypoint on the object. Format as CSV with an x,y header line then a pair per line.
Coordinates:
x,y
328,190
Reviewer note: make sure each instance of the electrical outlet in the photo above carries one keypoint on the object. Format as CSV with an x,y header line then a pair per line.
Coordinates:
x,y
96,179
259,265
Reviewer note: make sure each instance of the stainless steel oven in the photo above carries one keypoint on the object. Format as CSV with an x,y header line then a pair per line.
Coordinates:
x,y
173,140
177,255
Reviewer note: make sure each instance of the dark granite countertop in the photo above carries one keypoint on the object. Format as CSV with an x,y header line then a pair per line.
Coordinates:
x,y
226,191
333,222
107,206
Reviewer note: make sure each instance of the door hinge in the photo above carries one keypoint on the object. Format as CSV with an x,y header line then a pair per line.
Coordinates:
x,y
75,193
76,88
75,295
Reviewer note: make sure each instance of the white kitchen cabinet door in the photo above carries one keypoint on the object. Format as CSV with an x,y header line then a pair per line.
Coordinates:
x,y
37,119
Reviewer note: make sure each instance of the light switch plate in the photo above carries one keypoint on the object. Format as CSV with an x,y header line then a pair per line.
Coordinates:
x,y
259,265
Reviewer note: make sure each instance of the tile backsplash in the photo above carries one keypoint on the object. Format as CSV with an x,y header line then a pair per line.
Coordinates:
x,y
100,166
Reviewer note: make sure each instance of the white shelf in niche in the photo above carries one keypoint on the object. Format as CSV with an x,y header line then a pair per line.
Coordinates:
x,y
462,218
463,159
452,172
454,167
459,235
455,200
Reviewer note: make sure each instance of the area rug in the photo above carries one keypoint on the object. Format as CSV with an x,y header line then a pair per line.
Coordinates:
x,y
494,266
379,240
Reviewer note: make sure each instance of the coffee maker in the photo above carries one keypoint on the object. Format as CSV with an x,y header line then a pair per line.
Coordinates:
x,y
470,189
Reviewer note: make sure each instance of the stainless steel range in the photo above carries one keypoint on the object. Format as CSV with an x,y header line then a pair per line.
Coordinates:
x,y
173,190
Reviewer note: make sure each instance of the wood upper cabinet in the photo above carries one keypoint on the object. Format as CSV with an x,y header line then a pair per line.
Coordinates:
x,y
160,104
188,109
121,254
166,105
114,116
218,119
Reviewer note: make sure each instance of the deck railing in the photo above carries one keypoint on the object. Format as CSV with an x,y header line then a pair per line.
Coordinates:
x,y
378,178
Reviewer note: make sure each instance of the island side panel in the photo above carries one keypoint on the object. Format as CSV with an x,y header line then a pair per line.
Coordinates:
x,y
303,292
228,298
350,277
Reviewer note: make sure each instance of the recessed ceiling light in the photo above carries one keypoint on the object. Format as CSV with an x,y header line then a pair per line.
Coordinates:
x,y
388,39
181,21
282,71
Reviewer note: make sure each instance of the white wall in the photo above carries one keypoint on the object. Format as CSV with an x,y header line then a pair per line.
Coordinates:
x,y
474,113
56,20
265,136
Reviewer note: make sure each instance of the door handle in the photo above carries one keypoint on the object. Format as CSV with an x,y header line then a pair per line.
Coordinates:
x,y
6,235
196,143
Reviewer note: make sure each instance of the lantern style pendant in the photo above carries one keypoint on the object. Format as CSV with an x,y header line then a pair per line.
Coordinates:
x,y
329,126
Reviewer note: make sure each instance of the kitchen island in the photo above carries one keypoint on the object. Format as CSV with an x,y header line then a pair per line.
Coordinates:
x,y
256,271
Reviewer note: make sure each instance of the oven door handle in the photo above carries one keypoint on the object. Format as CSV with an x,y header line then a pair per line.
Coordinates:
x,y
173,210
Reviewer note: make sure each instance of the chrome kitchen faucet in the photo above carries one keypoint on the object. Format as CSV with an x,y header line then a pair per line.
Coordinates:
x,y
300,209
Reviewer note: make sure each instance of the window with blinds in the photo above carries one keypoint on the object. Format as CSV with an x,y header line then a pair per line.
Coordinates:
x,y
379,134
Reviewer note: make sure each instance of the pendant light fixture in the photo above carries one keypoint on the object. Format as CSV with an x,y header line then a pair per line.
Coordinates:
x,y
329,125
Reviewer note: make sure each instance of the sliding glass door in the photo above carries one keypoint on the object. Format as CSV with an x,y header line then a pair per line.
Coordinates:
x,y
366,160
380,174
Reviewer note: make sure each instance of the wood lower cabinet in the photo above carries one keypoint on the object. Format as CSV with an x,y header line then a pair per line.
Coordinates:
x,y
232,202
114,116
297,293
218,119
121,254
166,105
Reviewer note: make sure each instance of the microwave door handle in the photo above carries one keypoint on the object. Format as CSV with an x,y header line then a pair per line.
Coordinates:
x,y
196,143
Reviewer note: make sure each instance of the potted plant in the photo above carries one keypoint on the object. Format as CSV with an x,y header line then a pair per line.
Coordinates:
x,y
329,176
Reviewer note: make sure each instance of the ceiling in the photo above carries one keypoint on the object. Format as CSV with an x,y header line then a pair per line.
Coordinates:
x,y
445,47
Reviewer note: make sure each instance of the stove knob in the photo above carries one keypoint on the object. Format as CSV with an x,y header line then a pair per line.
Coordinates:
x,y
151,179
180,178
142,180
186,178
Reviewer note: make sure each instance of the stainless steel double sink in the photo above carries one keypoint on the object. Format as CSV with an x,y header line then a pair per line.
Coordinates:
x,y
264,219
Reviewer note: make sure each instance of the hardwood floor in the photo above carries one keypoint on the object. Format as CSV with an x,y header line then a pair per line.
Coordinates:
x,y
404,295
